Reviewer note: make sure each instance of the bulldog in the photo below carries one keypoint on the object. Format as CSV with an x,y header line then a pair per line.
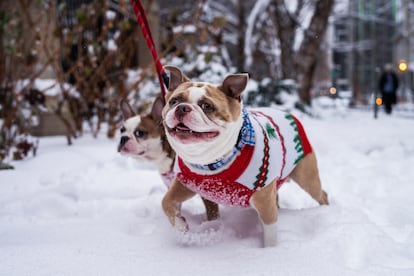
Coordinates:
x,y
143,138
231,155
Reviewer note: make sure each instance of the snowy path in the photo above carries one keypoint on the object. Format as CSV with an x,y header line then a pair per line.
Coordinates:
x,y
85,210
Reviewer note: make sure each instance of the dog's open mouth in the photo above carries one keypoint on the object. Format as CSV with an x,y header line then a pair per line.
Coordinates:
x,y
127,151
183,132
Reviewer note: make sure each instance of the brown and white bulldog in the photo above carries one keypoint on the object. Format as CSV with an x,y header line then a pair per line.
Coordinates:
x,y
143,138
231,155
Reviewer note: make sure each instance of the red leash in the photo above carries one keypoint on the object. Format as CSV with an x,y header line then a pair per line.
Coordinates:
x,y
146,32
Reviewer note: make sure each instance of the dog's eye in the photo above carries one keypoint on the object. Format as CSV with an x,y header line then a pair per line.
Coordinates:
x,y
173,101
139,133
207,107
123,129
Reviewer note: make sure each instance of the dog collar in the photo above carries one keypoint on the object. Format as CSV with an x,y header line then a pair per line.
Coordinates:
x,y
246,137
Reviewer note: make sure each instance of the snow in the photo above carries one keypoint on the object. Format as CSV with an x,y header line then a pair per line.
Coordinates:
x,y
110,15
86,210
251,20
49,87
111,45
187,29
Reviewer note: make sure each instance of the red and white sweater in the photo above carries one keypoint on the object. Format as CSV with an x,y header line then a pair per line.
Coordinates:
x,y
279,144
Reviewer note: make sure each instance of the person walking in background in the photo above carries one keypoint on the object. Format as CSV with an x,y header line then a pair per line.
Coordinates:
x,y
388,85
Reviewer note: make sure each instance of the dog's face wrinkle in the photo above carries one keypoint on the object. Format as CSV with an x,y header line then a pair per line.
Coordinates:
x,y
213,96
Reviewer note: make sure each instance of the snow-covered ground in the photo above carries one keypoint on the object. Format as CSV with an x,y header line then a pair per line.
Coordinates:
x,y
86,210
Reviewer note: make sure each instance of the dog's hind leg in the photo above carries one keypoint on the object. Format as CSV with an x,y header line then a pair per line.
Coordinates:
x,y
306,174
212,209
265,203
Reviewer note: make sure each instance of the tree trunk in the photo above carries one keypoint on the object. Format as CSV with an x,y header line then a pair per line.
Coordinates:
x,y
286,29
2,57
306,58
240,37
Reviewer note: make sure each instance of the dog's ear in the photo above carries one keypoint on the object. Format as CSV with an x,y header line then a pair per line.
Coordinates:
x,y
233,85
156,110
126,109
176,77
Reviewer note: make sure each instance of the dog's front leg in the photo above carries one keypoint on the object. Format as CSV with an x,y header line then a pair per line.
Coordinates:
x,y
171,204
265,203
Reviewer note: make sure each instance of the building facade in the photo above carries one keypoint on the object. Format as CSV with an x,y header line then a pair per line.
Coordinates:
x,y
404,47
363,42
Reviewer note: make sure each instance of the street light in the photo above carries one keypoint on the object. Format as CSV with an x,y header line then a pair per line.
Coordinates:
x,y
403,66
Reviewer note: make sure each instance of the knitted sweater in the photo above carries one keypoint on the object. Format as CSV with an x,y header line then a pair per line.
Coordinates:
x,y
279,142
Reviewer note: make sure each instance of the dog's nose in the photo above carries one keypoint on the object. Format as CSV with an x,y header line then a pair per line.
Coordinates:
x,y
181,110
124,139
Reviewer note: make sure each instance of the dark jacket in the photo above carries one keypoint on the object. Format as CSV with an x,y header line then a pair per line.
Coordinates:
x,y
383,80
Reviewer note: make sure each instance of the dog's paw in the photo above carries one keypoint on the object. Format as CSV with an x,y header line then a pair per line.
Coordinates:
x,y
269,235
180,224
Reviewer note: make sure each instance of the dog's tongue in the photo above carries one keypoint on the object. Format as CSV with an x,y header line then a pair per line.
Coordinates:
x,y
182,127
187,135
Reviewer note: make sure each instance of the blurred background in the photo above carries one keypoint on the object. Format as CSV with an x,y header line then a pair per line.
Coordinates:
x,y
65,64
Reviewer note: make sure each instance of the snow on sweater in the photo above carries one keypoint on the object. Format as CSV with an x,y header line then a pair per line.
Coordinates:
x,y
279,144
